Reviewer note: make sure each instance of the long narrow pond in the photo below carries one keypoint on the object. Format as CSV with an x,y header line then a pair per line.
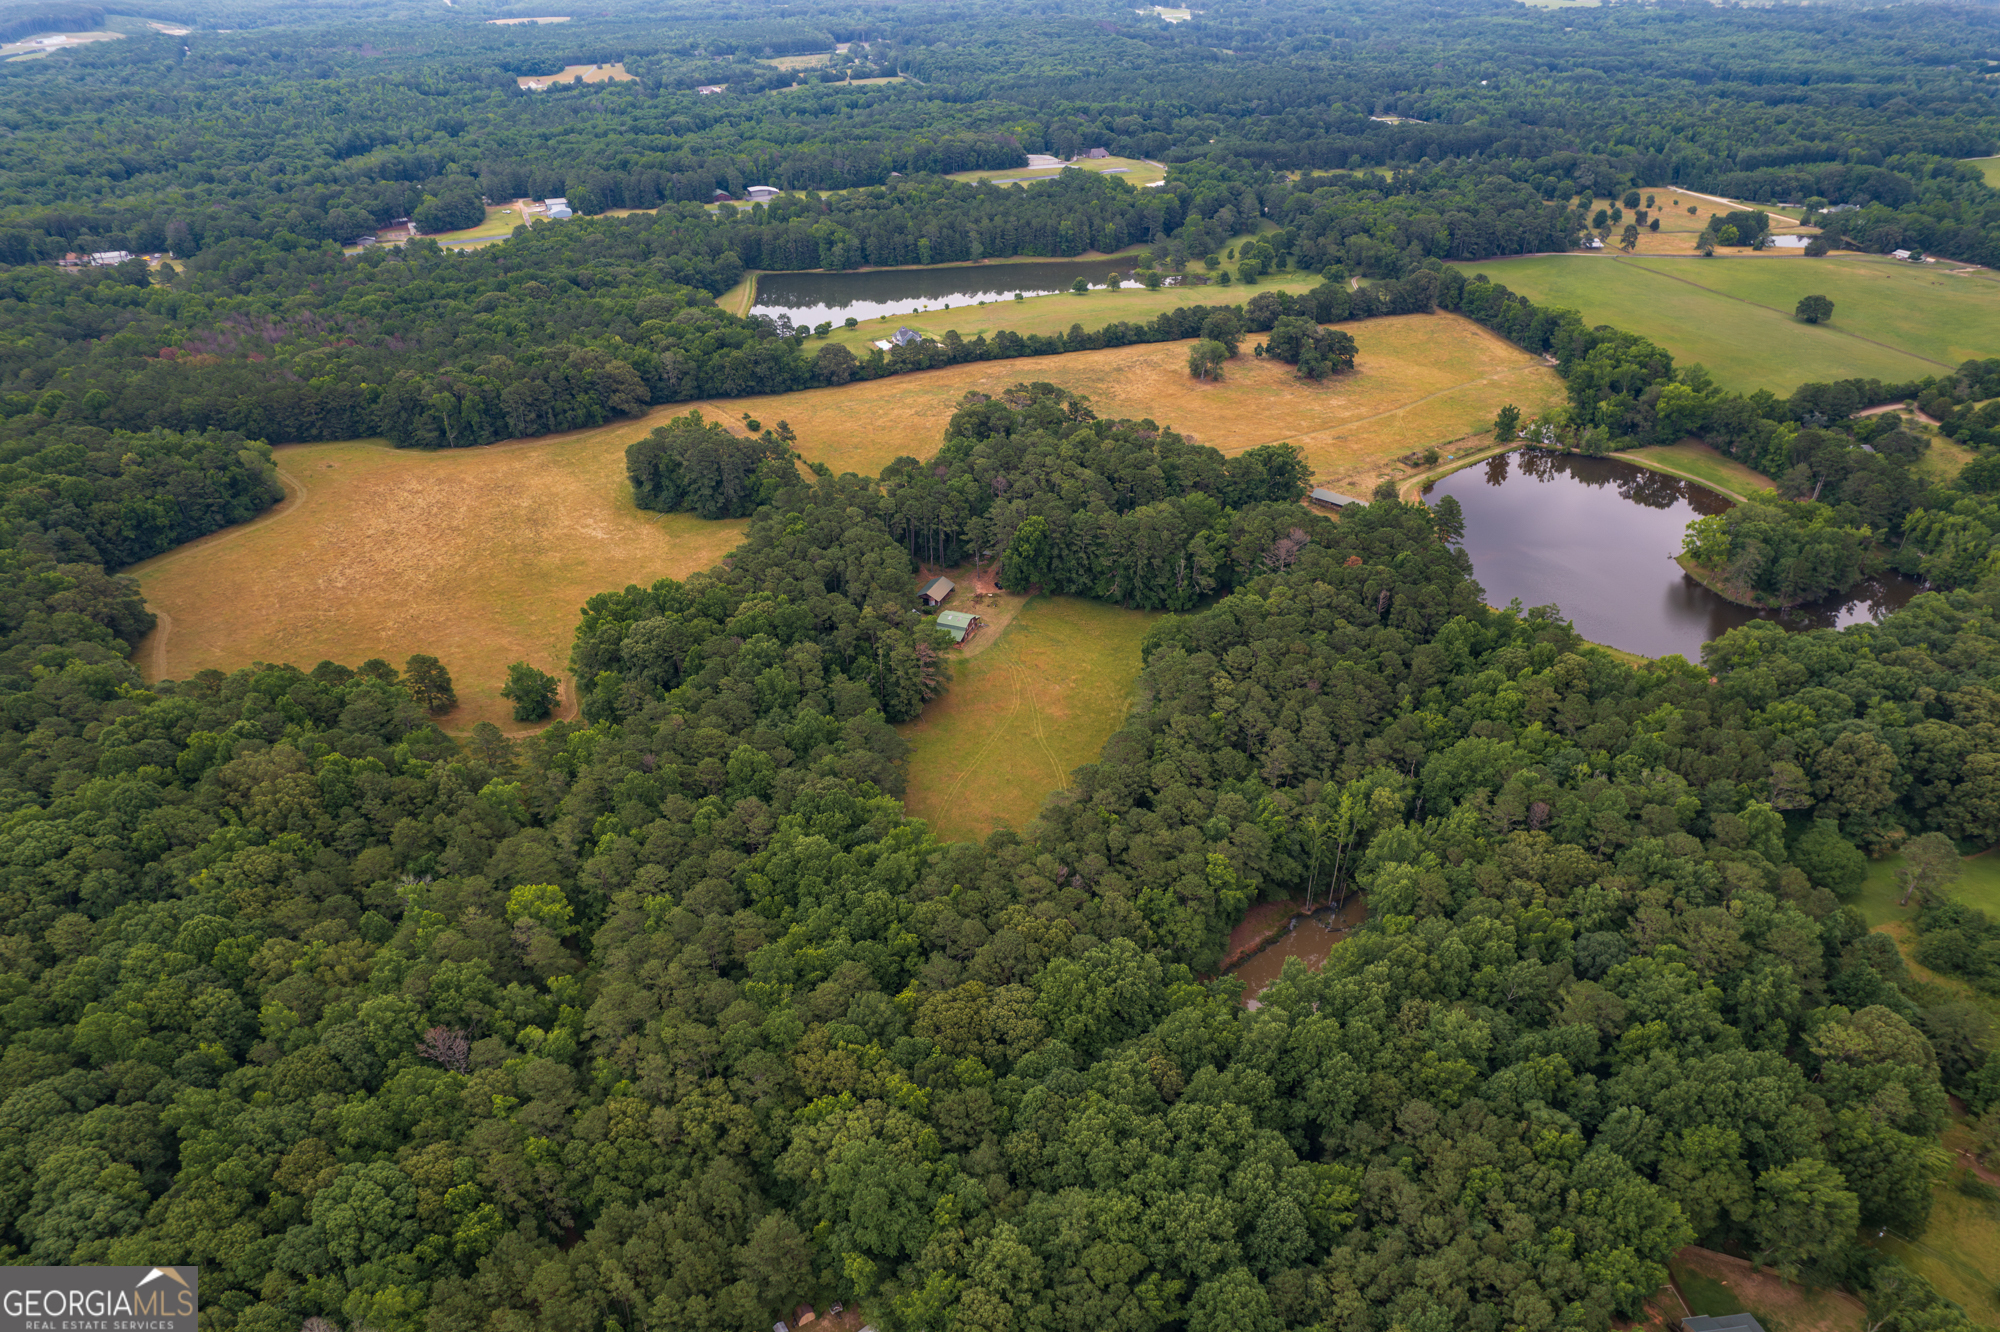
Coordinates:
x,y
1598,537
813,298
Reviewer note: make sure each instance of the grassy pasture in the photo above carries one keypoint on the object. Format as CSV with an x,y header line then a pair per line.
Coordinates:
x,y
798,61
1054,314
499,225
480,557
1989,167
1703,464
1419,380
1891,321
1978,886
572,73
37,45
1039,702
1960,1250
1131,170
844,83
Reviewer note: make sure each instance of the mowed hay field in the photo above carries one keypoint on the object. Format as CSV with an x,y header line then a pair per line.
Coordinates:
x,y
479,557
1035,705
1419,380
1891,321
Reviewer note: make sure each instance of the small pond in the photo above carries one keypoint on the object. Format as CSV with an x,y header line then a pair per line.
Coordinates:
x,y
1310,937
1598,537
813,298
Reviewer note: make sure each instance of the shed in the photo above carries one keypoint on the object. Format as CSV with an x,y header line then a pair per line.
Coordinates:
x,y
936,592
1321,495
1736,1322
957,623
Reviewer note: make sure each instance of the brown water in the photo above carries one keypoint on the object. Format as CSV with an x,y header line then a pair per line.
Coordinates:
x,y
1597,537
1310,939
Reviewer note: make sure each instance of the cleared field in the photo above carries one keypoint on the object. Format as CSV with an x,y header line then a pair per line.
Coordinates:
x,y
1891,321
480,557
578,74
1419,380
1716,1283
1051,314
1703,464
1132,170
1989,167
499,225
1960,1250
844,83
798,61
1022,715
1978,886
47,43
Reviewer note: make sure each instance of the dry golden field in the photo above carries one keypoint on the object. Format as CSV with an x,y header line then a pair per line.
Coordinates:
x,y
479,557
1419,380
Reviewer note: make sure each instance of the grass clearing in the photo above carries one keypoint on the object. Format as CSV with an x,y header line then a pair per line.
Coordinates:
x,y
1714,1283
1891,321
48,43
1056,313
844,83
499,225
1978,886
578,74
798,61
1960,1251
480,557
1132,170
1701,463
1037,704
1989,167
1419,380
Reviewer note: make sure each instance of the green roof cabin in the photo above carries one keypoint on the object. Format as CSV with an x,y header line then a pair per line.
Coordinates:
x,y
957,623
935,592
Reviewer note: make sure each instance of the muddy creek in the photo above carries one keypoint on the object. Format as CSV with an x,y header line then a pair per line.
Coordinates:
x,y
1309,938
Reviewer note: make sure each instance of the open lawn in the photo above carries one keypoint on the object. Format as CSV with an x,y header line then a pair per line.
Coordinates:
x,y
1714,1283
45,43
1419,380
578,73
1057,313
1039,702
798,61
1989,167
1960,1250
480,557
499,225
844,83
1891,321
1703,464
1131,170
1978,885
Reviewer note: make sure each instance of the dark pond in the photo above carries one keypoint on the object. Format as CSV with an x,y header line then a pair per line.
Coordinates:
x,y
1310,938
1598,536
812,298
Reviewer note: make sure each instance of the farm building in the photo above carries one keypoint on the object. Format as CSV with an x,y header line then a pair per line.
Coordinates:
x,y
557,208
957,623
711,89
935,592
761,193
721,196
1332,498
107,258
1736,1322
1097,153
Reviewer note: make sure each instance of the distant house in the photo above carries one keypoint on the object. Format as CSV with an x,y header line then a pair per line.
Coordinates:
x,y
557,208
721,196
935,592
957,623
1098,153
1737,1322
711,89
908,337
106,258
1899,254
1332,498
761,193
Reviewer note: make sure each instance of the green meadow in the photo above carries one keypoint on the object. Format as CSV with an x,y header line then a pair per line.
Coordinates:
x,y
1734,314
1990,168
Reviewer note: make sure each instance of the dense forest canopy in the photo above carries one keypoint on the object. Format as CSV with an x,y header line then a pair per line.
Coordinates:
x,y
671,1017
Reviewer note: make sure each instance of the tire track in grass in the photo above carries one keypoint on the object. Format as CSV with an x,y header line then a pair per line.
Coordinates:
x,y
972,764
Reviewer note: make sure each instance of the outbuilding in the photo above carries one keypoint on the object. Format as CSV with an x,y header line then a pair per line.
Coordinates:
x,y
557,208
1736,1322
935,592
761,193
1332,498
957,623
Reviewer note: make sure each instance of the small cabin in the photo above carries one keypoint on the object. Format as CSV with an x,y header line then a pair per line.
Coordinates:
x,y
1736,1322
1333,499
957,623
936,592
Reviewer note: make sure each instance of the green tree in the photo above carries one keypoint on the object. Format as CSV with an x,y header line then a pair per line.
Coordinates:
x,y
1830,860
1205,359
1025,561
533,692
1507,425
1814,309
1930,866
1805,1215
429,683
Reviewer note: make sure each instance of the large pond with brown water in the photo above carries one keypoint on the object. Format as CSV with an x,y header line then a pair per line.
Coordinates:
x,y
1598,536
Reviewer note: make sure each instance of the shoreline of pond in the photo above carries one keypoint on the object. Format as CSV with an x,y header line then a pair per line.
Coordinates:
x,y
1259,962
